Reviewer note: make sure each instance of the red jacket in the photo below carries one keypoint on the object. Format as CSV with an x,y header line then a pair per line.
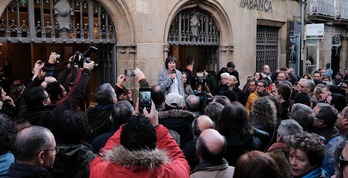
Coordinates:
x,y
165,161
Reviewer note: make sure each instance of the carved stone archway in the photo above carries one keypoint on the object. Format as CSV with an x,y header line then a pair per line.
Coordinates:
x,y
221,19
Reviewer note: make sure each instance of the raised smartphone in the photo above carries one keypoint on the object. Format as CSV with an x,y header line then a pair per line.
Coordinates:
x,y
129,72
145,99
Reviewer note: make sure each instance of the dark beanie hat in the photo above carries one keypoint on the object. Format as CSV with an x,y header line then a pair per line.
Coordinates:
x,y
339,101
302,98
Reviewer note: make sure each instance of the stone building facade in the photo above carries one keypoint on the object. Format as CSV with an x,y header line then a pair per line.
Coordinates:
x,y
329,49
250,33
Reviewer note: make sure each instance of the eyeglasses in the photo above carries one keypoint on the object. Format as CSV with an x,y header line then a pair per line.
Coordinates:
x,y
52,149
260,85
343,162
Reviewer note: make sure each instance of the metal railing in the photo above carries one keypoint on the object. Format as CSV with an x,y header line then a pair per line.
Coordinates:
x,y
330,8
37,21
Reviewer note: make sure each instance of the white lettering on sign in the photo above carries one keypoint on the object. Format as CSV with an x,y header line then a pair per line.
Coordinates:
x,y
261,5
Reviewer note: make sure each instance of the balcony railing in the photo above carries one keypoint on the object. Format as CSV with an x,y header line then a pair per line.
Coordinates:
x,y
337,9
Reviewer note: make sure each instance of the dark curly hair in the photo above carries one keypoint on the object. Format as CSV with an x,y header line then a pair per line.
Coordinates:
x,y
7,133
264,112
138,134
311,144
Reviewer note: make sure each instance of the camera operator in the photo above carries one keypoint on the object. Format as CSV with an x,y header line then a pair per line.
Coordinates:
x,y
203,91
37,107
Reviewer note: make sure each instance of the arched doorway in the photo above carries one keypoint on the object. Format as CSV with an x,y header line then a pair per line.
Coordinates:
x,y
31,29
194,33
218,53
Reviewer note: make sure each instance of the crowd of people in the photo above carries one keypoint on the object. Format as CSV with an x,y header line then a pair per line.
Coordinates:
x,y
200,124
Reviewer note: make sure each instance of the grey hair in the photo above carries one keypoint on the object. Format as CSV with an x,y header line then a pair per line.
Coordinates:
x,y
304,115
104,94
192,103
311,84
287,128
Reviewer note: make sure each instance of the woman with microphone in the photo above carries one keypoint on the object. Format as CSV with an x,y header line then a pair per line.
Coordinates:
x,y
170,79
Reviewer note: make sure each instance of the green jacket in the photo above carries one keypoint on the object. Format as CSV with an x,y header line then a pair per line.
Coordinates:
x,y
72,160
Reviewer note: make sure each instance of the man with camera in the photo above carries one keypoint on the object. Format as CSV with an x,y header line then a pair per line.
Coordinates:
x,y
37,107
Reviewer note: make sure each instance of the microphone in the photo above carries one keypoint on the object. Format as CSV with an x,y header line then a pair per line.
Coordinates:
x,y
173,71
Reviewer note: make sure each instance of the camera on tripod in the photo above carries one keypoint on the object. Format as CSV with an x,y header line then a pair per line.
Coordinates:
x,y
79,58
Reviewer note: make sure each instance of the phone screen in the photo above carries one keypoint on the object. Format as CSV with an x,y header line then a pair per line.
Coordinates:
x,y
145,99
129,72
200,74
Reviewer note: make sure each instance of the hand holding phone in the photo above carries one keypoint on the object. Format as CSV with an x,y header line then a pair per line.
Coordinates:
x,y
153,115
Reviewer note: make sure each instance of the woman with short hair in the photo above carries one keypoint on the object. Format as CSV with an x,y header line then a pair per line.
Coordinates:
x,y
170,79
307,152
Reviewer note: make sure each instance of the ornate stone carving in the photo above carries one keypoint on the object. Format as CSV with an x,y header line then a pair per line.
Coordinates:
x,y
63,13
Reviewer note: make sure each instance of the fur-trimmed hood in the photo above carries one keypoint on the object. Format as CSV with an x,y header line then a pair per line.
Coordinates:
x,y
143,159
175,113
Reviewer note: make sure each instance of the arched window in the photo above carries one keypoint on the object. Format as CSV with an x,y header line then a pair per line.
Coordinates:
x,y
193,27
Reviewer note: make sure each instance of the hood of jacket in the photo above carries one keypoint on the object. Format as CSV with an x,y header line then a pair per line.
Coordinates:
x,y
143,159
72,159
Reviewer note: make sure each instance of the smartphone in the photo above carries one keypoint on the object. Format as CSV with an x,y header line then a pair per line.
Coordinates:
x,y
283,68
129,72
145,99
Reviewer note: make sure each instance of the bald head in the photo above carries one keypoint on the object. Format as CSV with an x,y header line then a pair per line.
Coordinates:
x,y
211,146
30,141
204,122
213,140
200,124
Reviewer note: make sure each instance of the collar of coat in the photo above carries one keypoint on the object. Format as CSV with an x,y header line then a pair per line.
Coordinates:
x,y
207,166
143,159
174,113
